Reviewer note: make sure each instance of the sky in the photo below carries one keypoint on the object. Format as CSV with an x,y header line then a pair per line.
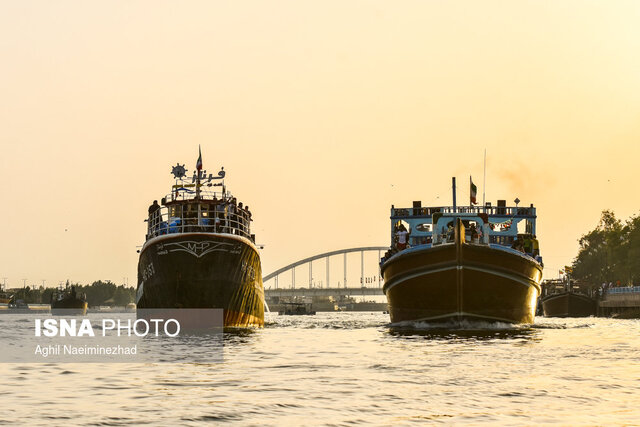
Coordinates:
x,y
324,114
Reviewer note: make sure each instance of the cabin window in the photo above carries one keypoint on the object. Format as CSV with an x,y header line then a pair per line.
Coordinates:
x,y
500,226
424,227
191,211
176,211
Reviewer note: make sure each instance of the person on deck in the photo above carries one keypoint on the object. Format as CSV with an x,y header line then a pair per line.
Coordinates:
x,y
153,215
535,245
450,232
473,232
528,244
402,236
518,244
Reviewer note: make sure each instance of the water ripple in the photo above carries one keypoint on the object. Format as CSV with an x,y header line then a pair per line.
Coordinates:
x,y
354,369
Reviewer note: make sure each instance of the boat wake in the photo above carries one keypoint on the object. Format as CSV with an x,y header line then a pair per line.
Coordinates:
x,y
564,325
463,329
464,324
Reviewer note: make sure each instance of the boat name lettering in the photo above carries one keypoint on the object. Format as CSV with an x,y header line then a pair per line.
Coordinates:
x,y
249,270
148,271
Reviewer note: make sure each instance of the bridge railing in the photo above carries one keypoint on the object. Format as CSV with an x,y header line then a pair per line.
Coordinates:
x,y
624,290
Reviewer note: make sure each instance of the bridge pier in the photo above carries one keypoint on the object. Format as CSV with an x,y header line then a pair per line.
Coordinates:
x,y
345,269
327,283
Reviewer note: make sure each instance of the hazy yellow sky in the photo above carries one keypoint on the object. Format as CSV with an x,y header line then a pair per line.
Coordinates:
x,y
323,113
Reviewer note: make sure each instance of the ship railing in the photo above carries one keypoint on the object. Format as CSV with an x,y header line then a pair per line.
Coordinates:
x,y
624,290
160,223
489,210
188,193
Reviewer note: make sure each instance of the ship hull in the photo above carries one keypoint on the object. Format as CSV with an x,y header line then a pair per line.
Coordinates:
x,y
69,307
203,270
569,304
457,282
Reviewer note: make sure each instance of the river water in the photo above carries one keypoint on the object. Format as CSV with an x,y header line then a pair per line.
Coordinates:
x,y
354,368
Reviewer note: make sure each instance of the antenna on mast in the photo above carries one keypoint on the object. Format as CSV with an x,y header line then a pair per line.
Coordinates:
x,y
453,184
484,178
198,172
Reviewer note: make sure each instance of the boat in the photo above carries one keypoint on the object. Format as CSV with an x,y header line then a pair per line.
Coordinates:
x,y
567,298
199,252
67,302
5,296
455,264
18,307
296,308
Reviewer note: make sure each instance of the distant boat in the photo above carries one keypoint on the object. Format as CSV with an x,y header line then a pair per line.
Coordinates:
x,y
563,300
67,302
17,306
5,297
199,252
296,308
457,263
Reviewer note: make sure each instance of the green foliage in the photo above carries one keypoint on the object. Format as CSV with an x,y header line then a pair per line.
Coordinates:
x,y
610,252
98,293
107,293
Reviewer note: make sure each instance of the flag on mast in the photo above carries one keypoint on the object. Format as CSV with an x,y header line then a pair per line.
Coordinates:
x,y
199,162
472,192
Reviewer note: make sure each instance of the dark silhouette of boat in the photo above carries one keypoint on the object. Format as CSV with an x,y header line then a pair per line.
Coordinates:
x,y
67,302
462,263
200,253
566,299
296,308
18,306
5,297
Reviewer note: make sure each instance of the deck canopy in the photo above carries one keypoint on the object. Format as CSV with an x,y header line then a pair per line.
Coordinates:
x,y
490,224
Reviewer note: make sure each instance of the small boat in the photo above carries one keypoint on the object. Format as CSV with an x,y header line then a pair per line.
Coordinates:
x,y
5,297
450,264
199,252
296,308
18,306
567,299
67,302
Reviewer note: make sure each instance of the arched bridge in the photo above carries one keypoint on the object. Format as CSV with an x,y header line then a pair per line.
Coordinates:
x,y
369,282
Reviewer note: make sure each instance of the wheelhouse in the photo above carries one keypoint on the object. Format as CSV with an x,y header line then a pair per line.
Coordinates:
x,y
197,207
500,225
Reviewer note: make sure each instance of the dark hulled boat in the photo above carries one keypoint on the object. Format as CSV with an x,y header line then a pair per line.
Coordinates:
x,y
458,264
200,253
296,308
564,299
5,297
569,304
66,301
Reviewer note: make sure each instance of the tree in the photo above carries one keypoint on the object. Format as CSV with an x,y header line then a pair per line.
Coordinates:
x,y
610,251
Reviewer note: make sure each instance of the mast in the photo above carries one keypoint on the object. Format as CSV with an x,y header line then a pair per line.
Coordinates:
x,y
198,173
453,185
484,177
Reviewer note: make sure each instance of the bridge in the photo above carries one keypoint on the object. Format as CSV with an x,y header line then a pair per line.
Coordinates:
x,y
322,292
370,284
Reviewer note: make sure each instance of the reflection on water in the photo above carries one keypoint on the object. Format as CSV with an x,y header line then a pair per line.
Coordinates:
x,y
350,369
